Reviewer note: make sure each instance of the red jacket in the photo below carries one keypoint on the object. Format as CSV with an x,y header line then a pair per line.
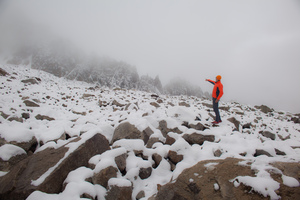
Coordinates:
x,y
217,92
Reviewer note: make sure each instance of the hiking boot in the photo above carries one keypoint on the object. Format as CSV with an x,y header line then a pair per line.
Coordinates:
x,y
215,122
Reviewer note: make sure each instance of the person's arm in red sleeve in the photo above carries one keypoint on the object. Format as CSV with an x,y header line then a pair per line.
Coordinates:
x,y
212,82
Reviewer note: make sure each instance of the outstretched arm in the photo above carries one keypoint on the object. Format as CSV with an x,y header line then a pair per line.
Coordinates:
x,y
212,82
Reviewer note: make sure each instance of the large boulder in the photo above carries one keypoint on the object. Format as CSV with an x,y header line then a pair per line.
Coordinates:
x,y
213,179
196,138
128,131
46,170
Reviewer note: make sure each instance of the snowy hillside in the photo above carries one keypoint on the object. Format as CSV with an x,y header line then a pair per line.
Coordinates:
x,y
160,138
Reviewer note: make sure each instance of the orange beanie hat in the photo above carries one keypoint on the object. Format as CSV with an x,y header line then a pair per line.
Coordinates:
x,y
219,77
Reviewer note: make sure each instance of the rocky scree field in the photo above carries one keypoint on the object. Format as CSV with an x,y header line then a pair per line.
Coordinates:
x,y
62,139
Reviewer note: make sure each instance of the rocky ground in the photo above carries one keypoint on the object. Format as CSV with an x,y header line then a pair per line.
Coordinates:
x,y
62,139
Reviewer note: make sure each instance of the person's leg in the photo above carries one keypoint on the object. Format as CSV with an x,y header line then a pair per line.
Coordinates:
x,y
216,109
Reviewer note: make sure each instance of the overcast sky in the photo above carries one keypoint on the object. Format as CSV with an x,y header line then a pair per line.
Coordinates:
x,y
253,44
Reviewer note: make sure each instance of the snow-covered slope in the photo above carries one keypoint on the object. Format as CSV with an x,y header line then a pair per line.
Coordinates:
x,y
73,108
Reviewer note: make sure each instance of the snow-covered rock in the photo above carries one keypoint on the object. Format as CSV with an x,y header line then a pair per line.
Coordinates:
x,y
165,142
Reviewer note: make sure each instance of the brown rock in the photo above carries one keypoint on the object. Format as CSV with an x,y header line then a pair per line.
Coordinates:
x,y
86,96
157,159
170,140
198,182
116,103
118,193
265,109
5,116
104,175
27,146
146,134
121,162
268,134
7,165
196,138
184,104
30,104
15,118
198,126
17,183
128,131
165,130
140,195
3,72
30,80
175,157
44,117
156,105
151,141
145,172
235,122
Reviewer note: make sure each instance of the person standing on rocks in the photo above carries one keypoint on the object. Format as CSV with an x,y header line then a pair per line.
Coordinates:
x,y
217,93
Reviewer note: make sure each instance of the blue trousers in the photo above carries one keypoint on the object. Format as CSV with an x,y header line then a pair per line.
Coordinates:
x,y
216,109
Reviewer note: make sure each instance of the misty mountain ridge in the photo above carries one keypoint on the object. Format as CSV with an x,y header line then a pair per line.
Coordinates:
x,y
63,60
